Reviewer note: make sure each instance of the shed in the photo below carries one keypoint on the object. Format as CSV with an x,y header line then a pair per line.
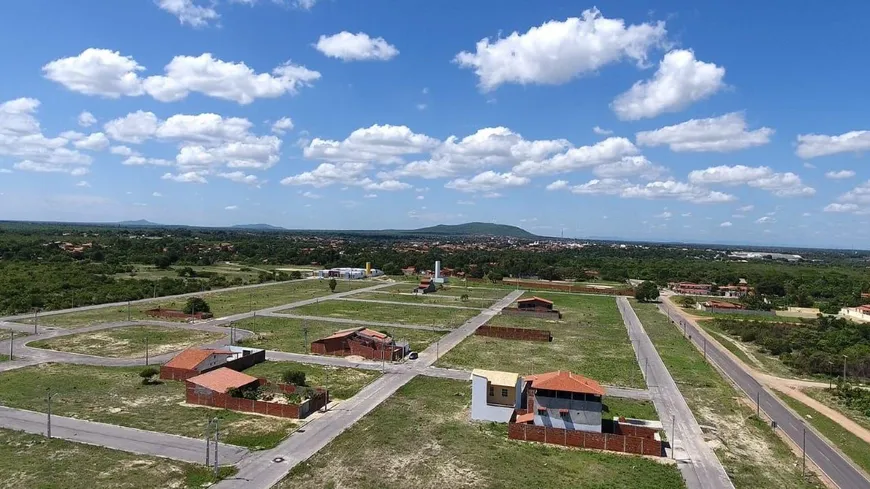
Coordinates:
x,y
223,379
535,303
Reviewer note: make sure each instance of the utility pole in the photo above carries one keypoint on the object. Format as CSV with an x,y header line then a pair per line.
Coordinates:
x,y
128,310
48,397
758,405
844,368
705,348
11,344
216,438
646,370
36,320
232,335
305,335
155,290
673,435
804,460
251,300
146,351
436,350
208,443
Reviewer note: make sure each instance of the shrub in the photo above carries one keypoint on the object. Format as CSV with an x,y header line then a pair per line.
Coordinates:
x,y
332,284
295,377
195,305
148,374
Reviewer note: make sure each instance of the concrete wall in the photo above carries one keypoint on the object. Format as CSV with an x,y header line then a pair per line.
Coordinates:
x,y
584,439
526,334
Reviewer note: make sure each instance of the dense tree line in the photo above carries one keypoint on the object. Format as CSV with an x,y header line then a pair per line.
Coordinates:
x,y
816,346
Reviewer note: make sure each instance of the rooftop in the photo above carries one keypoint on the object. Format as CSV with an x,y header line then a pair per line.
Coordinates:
x,y
565,381
535,299
222,379
190,358
494,377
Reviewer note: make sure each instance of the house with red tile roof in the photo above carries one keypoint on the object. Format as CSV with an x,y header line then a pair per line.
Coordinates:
x,y
364,342
563,399
195,361
223,379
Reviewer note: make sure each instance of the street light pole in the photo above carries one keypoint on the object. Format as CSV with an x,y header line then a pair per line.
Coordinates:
x,y
804,460
35,319
673,435
844,368
216,438
11,344
48,419
208,443
146,351
128,310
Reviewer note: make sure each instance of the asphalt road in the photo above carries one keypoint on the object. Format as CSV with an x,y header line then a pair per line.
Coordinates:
x,y
120,438
700,467
261,471
836,466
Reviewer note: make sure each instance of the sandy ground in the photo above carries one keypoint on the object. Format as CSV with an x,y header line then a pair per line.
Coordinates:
x,y
793,388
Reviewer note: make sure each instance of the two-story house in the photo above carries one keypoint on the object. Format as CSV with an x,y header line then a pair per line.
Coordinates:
x,y
563,400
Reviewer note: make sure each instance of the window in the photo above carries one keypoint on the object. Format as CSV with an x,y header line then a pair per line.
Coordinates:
x,y
504,393
491,391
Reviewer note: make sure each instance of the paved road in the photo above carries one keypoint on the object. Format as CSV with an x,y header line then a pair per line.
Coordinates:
x,y
120,438
420,304
260,471
703,470
376,324
829,460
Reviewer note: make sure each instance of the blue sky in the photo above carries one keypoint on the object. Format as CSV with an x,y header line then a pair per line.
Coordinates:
x,y
659,121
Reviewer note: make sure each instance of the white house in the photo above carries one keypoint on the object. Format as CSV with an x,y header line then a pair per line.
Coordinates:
x,y
495,395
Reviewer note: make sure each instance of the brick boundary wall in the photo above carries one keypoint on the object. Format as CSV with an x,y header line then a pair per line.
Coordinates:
x,y
558,286
173,313
585,439
361,350
745,312
514,333
514,311
205,397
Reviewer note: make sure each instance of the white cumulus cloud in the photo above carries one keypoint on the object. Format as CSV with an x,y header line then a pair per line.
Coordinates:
x,y
725,133
840,175
780,184
487,181
347,46
86,119
282,125
815,145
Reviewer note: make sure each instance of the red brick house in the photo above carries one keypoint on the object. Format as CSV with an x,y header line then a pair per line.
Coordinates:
x,y
534,306
195,361
364,342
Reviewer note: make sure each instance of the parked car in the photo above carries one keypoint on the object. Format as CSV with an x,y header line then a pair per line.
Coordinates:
x,y
412,355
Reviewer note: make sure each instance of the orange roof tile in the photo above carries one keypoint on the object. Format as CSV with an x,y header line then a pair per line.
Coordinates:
x,y
536,298
190,358
222,380
566,382
526,418
342,334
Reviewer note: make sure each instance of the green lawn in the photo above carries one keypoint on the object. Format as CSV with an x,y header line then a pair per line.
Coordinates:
x,y
743,317
285,334
752,454
422,437
590,340
387,313
453,300
455,290
35,461
221,303
129,342
343,383
115,395
855,448
630,408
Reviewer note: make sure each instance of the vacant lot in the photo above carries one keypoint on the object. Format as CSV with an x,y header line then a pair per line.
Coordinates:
x,y
35,461
453,300
455,290
129,342
590,340
752,454
630,408
827,397
422,438
342,383
285,334
116,395
387,313
749,353
221,303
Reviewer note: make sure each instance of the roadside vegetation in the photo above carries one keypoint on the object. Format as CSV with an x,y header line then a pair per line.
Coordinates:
x,y
35,461
590,339
448,450
342,383
752,454
129,342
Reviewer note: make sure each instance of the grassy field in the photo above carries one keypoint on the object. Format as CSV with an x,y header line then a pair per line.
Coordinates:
x,y
285,334
630,408
342,383
35,461
426,299
456,290
387,313
129,342
752,454
742,317
422,438
590,340
855,448
115,395
222,303
151,272
750,353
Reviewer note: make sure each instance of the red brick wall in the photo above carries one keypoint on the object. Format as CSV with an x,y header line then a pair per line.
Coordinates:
x,y
205,397
355,348
171,313
585,439
566,287
632,430
175,373
514,333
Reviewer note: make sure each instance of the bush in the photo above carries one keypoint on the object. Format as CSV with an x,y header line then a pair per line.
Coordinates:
x,y
195,305
295,377
295,275
646,291
148,374
332,284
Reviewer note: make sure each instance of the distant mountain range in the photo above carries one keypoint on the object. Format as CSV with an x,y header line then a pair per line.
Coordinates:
x,y
467,229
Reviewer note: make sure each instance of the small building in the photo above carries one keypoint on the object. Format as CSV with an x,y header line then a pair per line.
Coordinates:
x,y
495,395
364,342
720,306
349,273
860,313
427,286
735,291
408,271
223,379
195,361
689,288
565,400
534,306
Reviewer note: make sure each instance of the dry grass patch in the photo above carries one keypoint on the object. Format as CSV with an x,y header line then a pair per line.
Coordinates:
x,y
129,342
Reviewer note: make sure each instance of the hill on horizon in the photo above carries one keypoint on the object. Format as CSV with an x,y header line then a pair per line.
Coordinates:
x,y
476,229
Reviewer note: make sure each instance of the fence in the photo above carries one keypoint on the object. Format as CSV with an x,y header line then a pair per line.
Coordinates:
x,y
206,397
585,439
540,314
507,333
172,313
392,354
744,312
565,287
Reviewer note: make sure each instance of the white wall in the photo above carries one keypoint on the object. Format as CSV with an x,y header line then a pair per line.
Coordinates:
x,y
482,411
213,360
582,415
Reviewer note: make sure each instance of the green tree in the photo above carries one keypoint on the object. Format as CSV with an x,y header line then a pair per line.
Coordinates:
x,y
195,305
646,291
332,284
392,269
295,275
295,377
687,301
148,374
